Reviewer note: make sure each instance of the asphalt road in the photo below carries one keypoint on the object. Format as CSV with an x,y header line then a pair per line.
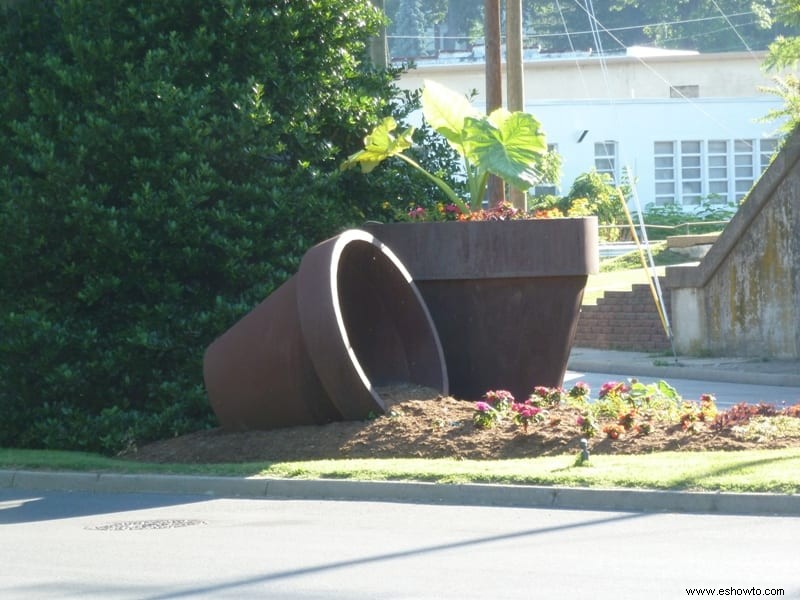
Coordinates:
x,y
158,546
727,394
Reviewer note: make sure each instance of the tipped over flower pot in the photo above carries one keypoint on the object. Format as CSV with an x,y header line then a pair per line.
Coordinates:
x,y
320,347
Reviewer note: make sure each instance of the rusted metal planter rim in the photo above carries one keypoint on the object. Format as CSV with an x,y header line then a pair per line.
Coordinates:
x,y
495,249
325,329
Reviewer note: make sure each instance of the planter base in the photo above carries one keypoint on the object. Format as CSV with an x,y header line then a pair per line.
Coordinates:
x,y
510,334
505,296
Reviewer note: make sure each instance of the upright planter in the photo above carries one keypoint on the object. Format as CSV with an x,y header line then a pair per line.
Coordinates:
x,y
319,348
505,296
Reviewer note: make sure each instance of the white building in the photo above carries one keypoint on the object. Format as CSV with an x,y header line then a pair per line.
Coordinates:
x,y
686,125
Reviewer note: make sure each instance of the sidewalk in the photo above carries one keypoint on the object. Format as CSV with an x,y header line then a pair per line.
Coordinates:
x,y
728,370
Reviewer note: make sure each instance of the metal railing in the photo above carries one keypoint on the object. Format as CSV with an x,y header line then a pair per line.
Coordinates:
x,y
679,229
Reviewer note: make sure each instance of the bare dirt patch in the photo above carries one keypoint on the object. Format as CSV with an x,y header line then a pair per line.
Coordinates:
x,y
420,424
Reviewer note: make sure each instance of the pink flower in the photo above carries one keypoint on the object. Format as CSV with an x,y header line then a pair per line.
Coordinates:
x,y
615,387
541,391
526,410
580,421
495,396
417,213
482,407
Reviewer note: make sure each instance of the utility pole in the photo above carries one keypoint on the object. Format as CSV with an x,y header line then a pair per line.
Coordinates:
x,y
378,47
494,83
515,80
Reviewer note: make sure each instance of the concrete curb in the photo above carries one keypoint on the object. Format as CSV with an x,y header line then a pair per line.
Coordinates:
x,y
418,492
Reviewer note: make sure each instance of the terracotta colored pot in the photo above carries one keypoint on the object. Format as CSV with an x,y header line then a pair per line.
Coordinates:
x,y
315,350
505,295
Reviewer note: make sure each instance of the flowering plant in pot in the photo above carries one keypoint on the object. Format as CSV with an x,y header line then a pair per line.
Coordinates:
x,y
511,146
504,292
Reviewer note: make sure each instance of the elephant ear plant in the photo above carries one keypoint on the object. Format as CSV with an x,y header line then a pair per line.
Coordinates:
x,y
509,145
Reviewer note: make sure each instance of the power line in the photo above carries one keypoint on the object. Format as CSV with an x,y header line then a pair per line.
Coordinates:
x,y
723,16
644,63
736,31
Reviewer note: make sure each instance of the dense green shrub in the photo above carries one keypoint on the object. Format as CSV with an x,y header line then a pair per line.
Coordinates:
x,y
592,193
163,167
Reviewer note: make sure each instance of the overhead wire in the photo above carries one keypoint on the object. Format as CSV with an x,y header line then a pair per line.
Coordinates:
x,y
733,27
677,91
572,47
568,34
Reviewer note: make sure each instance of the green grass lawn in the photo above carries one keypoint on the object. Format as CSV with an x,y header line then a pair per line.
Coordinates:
x,y
776,471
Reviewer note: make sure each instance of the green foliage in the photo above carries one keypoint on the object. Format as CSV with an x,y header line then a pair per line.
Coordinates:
x,y
657,400
592,193
787,88
601,194
163,167
671,219
508,145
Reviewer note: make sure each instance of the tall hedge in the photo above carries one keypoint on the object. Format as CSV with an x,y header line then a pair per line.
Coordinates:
x,y
163,167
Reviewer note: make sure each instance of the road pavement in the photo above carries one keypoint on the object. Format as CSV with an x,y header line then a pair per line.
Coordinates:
x,y
162,546
731,380
727,394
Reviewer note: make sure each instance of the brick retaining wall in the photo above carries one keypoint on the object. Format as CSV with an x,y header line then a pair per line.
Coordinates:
x,y
623,321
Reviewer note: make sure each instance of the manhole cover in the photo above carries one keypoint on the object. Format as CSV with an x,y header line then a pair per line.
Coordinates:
x,y
150,524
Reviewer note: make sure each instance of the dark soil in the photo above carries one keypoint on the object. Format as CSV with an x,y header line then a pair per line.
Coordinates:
x,y
420,424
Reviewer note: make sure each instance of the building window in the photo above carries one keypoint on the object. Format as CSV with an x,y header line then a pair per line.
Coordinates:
x,y
665,173
744,167
717,170
684,91
605,158
691,172
767,150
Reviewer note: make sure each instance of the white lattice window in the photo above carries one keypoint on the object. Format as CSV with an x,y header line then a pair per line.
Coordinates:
x,y
664,153
605,158
766,150
717,170
691,171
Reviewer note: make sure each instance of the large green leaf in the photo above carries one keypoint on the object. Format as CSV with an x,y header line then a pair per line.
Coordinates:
x,y
509,145
380,145
446,111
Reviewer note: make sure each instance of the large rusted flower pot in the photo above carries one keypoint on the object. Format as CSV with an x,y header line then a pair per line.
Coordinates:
x,y
505,295
351,320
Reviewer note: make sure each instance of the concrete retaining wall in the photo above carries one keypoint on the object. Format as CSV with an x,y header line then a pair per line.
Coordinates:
x,y
743,299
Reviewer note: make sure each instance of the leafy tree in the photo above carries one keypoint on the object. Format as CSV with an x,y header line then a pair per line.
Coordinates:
x,y
408,30
705,25
566,26
785,52
711,25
